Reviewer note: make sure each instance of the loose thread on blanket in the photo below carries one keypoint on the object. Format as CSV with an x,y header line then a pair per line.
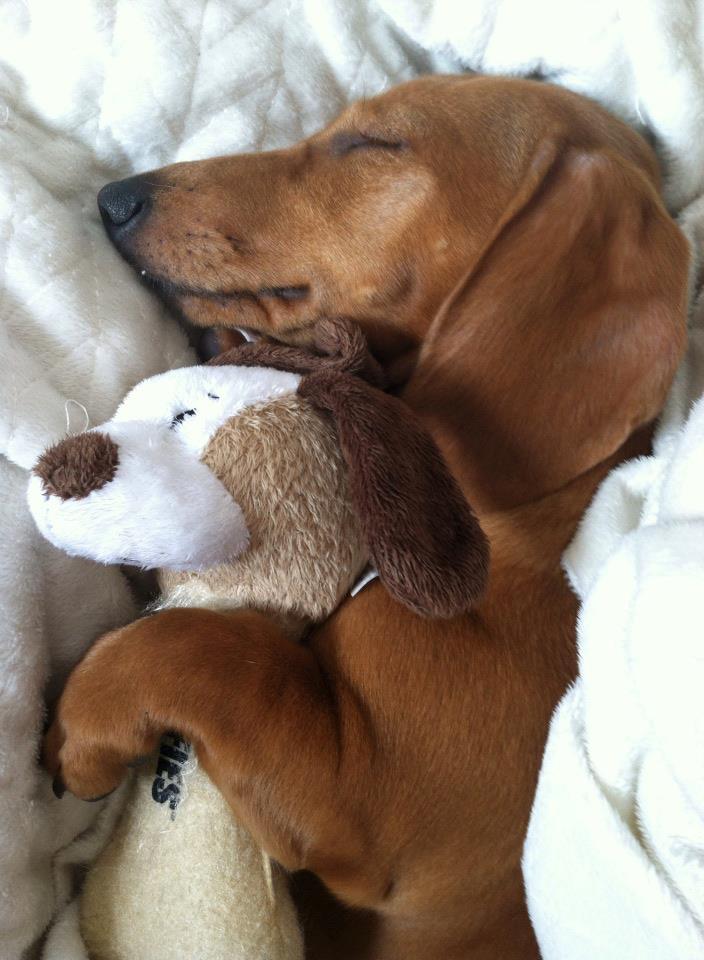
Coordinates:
x,y
68,416
269,877
639,113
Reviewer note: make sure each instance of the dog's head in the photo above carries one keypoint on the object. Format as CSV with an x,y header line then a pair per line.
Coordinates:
x,y
371,219
501,242
279,483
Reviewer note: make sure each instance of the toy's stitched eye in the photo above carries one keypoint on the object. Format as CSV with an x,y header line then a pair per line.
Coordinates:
x,y
180,417
213,396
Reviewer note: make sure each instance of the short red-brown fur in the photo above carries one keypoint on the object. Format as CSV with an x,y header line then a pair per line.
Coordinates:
x,y
517,274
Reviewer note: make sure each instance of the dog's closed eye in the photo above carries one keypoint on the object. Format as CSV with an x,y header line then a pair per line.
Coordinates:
x,y
344,143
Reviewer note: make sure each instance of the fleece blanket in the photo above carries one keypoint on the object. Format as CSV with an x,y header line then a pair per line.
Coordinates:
x,y
92,90
614,857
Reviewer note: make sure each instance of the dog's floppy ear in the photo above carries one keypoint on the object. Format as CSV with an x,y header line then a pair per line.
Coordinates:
x,y
563,339
422,535
339,345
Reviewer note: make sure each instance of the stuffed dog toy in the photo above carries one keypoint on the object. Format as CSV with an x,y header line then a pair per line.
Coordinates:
x,y
268,479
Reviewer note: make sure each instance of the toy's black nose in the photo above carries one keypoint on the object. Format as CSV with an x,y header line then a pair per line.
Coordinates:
x,y
123,202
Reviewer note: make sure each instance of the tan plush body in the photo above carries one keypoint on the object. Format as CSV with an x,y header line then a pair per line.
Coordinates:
x,y
191,875
191,879
307,479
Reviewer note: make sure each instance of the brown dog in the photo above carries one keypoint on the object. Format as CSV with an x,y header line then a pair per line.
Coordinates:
x,y
504,246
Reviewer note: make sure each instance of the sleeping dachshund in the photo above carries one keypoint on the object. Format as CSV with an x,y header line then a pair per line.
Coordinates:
x,y
504,247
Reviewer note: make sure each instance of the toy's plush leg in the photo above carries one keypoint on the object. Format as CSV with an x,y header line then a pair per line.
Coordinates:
x,y
268,727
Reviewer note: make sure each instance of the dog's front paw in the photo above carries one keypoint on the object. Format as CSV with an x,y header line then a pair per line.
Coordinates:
x,y
82,767
99,727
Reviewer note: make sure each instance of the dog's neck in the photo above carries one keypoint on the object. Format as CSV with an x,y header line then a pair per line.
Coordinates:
x,y
541,530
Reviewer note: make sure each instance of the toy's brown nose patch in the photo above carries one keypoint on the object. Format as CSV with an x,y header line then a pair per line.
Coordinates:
x,y
78,465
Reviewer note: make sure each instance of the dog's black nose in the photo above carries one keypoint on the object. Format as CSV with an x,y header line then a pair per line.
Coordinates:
x,y
123,201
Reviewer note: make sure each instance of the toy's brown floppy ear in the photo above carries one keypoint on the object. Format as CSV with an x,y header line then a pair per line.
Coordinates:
x,y
422,535
339,345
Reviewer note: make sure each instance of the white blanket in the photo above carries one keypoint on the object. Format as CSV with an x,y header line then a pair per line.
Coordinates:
x,y
614,858
91,90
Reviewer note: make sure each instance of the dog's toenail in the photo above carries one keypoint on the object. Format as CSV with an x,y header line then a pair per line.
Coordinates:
x,y
98,799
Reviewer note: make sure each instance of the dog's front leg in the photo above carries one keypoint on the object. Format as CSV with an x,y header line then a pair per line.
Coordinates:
x,y
268,726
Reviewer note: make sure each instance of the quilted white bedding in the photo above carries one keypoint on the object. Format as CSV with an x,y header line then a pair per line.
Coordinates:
x,y
91,90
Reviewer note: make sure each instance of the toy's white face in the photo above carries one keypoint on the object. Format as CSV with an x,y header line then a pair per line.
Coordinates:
x,y
162,506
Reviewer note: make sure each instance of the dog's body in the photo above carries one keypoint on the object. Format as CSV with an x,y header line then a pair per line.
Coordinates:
x,y
504,247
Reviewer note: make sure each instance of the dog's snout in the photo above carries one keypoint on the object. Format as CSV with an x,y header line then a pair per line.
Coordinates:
x,y
124,201
78,465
